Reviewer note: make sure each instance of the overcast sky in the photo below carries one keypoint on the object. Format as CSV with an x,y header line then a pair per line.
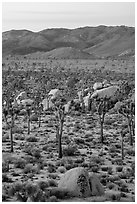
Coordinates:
x,y
38,16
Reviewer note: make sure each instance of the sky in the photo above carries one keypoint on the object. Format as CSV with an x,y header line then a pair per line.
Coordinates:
x,y
36,16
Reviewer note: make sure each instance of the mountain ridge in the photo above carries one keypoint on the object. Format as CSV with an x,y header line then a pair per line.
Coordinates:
x,y
102,41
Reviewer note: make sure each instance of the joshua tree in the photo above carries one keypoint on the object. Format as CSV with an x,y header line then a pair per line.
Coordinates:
x,y
12,111
28,109
59,111
103,106
38,107
127,109
122,145
60,115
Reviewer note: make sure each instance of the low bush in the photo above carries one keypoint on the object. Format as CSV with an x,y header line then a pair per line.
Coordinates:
x,y
43,185
19,137
52,183
52,199
20,163
32,139
69,151
62,169
119,168
5,178
59,193
30,168
53,175
5,166
18,130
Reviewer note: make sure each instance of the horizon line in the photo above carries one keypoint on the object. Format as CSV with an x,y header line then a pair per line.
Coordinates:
x,y
49,28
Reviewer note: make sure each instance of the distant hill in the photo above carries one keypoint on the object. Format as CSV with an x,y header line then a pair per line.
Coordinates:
x,y
62,53
85,42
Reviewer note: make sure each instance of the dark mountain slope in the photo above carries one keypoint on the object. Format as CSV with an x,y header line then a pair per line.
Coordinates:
x,y
100,40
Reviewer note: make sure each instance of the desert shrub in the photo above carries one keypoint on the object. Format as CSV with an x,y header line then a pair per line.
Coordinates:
x,y
111,185
62,169
109,121
5,178
45,147
18,130
32,139
68,166
19,137
51,168
29,168
36,153
130,152
30,159
52,183
28,148
43,185
119,168
61,162
5,166
23,112
118,161
59,193
79,160
79,140
104,168
20,163
96,160
95,168
112,149
53,175
34,117
110,170
6,127
69,151
52,199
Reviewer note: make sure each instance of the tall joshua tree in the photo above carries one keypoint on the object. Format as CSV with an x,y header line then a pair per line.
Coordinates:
x,y
59,111
127,109
12,111
103,106
59,128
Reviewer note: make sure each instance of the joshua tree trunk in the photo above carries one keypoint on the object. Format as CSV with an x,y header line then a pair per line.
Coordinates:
x,y
11,133
130,131
28,124
59,139
39,119
101,127
132,125
57,132
122,146
101,132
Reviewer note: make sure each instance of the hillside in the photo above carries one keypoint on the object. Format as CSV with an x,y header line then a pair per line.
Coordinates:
x,y
62,53
101,41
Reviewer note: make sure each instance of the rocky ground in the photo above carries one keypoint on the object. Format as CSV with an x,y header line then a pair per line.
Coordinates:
x,y
35,156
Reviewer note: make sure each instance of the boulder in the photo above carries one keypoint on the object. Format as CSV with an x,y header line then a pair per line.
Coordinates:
x,y
76,182
95,185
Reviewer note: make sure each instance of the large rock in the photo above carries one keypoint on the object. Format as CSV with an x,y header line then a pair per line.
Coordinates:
x,y
79,183
95,185
76,181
